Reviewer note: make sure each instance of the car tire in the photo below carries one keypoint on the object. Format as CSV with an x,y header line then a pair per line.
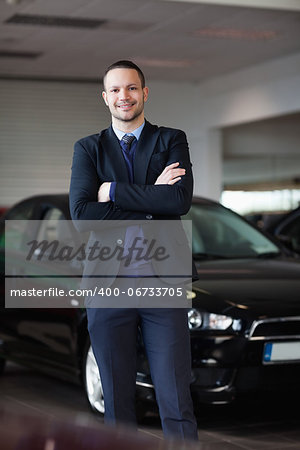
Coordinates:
x,y
2,365
92,382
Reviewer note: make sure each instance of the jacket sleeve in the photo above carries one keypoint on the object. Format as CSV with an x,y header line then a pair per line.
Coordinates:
x,y
161,199
83,195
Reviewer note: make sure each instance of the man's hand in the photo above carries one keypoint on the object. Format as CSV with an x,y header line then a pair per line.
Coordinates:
x,y
103,193
171,174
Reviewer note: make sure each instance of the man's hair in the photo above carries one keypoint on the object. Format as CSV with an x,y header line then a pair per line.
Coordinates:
x,y
125,64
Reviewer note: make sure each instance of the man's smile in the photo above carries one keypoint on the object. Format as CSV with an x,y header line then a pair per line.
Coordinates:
x,y
126,106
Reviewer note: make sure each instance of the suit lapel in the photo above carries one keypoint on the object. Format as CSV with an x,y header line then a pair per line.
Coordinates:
x,y
144,151
113,155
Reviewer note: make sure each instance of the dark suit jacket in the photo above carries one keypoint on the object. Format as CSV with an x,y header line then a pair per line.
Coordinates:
x,y
98,158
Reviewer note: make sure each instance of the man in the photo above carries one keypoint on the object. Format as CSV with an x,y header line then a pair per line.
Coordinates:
x,y
147,178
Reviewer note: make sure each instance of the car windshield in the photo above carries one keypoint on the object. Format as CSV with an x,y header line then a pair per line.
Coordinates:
x,y
220,233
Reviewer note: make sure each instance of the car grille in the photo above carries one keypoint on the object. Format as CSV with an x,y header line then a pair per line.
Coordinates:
x,y
279,328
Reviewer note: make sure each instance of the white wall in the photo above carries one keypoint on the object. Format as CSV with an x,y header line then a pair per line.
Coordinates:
x,y
40,121
263,151
269,137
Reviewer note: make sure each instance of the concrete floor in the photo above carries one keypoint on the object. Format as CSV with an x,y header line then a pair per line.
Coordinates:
x,y
250,423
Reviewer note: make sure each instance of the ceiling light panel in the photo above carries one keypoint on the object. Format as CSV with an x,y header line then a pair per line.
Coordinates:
x,y
55,21
235,33
19,54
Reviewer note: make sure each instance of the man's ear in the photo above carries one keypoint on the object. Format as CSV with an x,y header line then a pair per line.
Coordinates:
x,y
146,92
104,97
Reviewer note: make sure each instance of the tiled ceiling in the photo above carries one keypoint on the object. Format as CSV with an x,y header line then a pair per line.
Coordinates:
x,y
171,40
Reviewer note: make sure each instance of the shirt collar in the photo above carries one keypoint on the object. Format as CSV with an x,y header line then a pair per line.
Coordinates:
x,y
136,133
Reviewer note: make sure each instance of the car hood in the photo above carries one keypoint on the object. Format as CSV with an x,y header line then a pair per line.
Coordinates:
x,y
252,288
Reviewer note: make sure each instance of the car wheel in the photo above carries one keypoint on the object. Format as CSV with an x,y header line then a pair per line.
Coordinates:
x,y
92,382
2,365
93,386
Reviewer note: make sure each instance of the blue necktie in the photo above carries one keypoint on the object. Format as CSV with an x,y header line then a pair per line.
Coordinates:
x,y
128,145
126,142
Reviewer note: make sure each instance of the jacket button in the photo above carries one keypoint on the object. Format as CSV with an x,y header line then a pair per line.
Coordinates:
x,y
119,241
149,217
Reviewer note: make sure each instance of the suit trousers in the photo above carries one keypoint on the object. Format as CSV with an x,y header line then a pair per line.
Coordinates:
x,y
113,334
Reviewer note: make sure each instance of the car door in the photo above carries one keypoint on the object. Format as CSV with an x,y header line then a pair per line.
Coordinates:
x,y
10,318
47,337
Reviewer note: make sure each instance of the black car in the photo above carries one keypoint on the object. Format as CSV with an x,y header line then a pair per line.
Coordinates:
x,y
244,323
287,229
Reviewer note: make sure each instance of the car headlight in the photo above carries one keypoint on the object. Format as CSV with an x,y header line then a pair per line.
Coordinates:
x,y
219,322
194,319
208,321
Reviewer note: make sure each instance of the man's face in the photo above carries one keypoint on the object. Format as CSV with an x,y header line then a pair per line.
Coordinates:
x,y
125,96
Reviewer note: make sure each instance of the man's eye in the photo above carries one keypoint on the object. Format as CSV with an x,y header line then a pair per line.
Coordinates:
x,y
114,90
132,88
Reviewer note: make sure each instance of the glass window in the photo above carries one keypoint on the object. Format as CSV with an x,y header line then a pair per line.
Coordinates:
x,y
58,232
54,226
21,213
221,233
292,230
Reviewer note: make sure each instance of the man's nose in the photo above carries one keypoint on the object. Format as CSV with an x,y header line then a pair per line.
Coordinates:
x,y
124,94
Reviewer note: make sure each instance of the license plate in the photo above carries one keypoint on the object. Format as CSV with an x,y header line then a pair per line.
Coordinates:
x,y
276,352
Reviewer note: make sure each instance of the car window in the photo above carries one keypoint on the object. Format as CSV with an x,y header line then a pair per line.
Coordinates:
x,y
54,226
292,230
220,232
59,233
18,215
